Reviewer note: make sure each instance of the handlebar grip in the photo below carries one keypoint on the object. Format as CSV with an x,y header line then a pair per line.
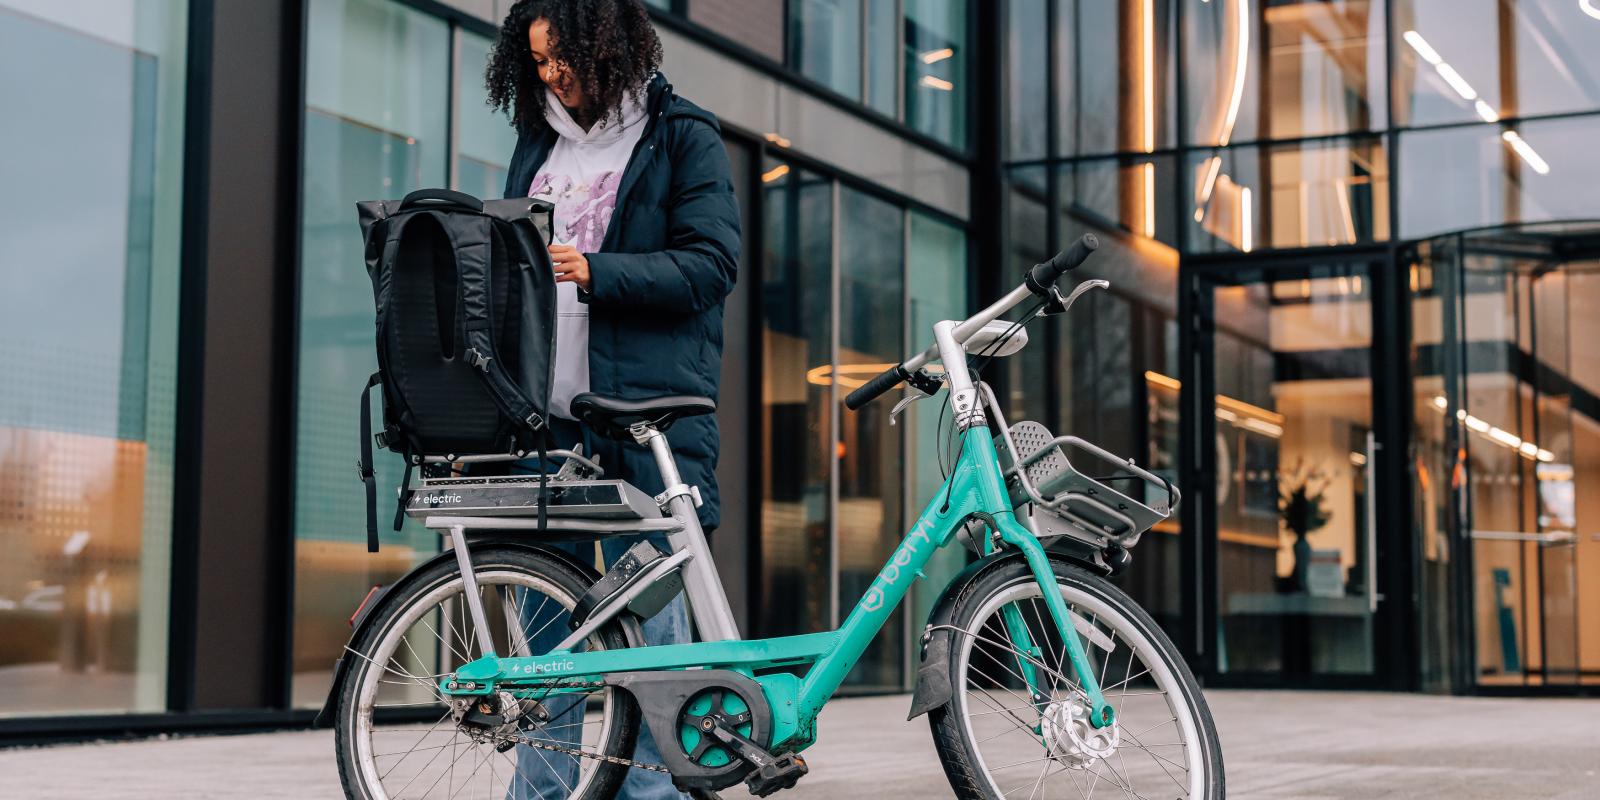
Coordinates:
x,y
880,383
1043,275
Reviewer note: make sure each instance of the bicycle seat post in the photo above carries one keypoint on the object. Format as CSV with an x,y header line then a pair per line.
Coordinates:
x,y
708,603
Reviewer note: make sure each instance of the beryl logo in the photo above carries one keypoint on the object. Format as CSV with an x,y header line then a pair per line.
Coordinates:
x,y
439,499
537,668
902,557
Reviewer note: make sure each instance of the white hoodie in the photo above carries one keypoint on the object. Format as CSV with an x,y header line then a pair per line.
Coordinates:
x,y
581,178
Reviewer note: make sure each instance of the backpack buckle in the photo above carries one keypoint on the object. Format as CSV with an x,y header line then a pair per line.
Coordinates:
x,y
365,471
478,359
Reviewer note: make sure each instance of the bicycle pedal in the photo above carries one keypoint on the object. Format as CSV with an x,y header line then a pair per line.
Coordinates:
x,y
782,772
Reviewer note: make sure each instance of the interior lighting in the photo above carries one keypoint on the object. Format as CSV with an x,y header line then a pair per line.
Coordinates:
x,y
937,83
1422,47
1485,111
775,173
935,56
1589,7
1527,152
1456,82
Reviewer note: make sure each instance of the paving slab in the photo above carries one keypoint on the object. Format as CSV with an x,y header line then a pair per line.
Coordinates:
x,y
1277,745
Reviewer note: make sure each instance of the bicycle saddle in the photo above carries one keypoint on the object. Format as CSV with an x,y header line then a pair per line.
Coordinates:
x,y
611,416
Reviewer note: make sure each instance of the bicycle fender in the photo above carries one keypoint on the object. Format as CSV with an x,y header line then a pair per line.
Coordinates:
x,y
341,665
934,688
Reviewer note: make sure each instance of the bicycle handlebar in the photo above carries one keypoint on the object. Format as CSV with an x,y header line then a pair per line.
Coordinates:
x,y
1039,281
880,383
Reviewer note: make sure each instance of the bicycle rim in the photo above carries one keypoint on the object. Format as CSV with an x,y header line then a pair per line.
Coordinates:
x,y
1029,749
430,755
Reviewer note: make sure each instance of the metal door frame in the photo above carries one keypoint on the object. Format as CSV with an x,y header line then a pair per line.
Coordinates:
x,y
1394,628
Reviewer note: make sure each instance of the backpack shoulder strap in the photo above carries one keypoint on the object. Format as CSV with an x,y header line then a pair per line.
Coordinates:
x,y
472,237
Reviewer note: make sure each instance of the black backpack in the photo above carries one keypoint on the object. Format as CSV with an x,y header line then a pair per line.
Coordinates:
x,y
466,300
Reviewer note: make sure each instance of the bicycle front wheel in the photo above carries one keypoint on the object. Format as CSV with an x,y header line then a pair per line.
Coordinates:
x,y
398,736
998,738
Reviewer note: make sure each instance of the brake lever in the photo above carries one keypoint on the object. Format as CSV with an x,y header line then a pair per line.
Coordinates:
x,y
903,404
1057,305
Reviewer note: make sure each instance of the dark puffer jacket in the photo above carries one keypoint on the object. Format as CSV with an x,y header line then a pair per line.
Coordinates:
x,y
658,283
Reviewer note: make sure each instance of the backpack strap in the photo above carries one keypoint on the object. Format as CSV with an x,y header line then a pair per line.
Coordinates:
x,y
364,466
473,262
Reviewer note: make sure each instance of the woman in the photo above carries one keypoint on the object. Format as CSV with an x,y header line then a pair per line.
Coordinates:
x,y
645,243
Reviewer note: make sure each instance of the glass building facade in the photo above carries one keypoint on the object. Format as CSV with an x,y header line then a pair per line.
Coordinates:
x,y
1350,243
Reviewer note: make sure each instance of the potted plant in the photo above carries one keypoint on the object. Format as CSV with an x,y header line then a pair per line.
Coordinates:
x,y
1303,509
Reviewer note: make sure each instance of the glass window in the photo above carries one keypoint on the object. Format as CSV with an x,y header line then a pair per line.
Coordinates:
x,y
883,58
825,43
484,139
1114,76
94,112
93,104
758,26
871,466
1461,60
1027,235
1489,174
1026,79
936,69
1283,69
796,309
377,124
937,290
1130,193
1290,195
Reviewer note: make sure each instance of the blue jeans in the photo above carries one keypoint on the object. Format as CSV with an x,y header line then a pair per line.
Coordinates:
x,y
547,775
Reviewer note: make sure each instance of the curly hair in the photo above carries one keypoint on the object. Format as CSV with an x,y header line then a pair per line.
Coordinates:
x,y
608,46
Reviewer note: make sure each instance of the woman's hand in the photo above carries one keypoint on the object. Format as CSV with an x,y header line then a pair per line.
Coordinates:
x,y
570,265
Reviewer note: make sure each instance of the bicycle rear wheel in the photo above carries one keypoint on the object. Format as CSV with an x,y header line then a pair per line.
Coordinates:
x,y
998,742
397,736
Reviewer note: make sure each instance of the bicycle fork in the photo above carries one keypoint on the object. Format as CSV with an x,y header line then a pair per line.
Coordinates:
x,y
1100,712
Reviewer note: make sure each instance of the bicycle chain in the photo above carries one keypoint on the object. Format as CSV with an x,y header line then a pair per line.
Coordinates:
x,y
580,753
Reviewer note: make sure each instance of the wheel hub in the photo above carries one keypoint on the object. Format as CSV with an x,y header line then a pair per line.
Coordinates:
x,y
1072,738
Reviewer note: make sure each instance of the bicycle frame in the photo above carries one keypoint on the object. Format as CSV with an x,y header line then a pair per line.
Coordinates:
x,y
974,489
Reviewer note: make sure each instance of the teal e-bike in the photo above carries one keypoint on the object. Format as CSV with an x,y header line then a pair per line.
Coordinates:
x,y
507,667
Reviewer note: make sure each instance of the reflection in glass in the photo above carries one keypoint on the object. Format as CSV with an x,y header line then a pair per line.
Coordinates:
x,y
796,411
1026,80
936,68
1260,69
1292,363
871,464
825,43
1114,76
1027,237
1466,60
1128,193
1289,195
484,140
377,100
89,236
883,58
937,285
1515,393
1479,175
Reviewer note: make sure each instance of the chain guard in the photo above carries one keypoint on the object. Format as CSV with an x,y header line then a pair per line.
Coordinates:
x,y
665,697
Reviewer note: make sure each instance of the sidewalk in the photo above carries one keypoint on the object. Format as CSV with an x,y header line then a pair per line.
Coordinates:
x,y
1277,745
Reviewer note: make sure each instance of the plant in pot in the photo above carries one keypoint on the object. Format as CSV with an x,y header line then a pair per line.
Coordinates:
x,y
1301,504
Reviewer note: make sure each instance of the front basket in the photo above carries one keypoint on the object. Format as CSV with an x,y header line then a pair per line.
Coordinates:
x,y
1073,503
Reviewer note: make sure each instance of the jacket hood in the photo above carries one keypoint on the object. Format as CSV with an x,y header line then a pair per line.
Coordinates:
x,y
607,131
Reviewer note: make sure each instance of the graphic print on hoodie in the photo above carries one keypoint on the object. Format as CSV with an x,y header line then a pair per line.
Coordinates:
x,y
580,178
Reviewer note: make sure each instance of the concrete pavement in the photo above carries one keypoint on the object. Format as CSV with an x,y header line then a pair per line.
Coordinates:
x,y
1277,745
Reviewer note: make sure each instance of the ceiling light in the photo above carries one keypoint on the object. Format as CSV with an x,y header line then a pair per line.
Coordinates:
x,y
775,173
1422,47
937,83
1455,80
1486,112
935,56
1589,7
1527,152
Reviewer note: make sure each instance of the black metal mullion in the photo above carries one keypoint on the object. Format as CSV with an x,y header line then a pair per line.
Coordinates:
x,y
183,586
